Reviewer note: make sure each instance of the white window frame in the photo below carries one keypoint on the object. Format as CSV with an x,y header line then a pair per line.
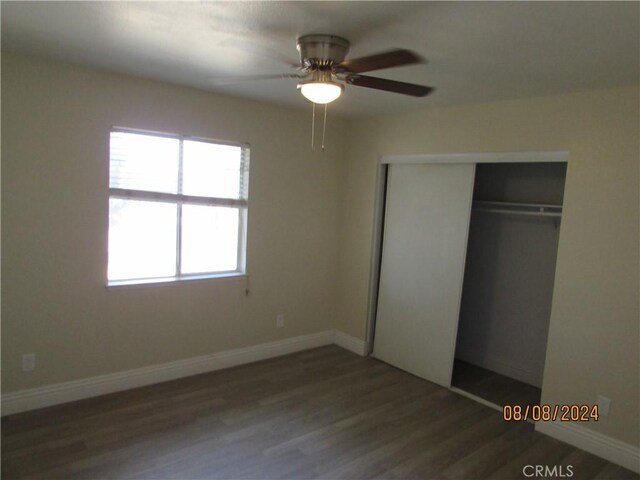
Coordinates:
x,y
180,199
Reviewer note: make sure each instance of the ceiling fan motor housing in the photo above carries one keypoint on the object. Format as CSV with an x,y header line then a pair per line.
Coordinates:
x,y
322,50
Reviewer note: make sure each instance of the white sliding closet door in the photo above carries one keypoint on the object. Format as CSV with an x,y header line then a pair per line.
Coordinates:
x,y
423,256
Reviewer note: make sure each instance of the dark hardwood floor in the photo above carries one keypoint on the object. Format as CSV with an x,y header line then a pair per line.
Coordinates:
x,y
323,413
492,386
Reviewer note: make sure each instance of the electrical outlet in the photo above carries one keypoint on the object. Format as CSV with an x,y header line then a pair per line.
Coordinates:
x,y
604,403
28,362
280,321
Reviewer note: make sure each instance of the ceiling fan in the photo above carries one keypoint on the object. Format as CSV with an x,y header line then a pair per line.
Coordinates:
x,y
323,70
322,58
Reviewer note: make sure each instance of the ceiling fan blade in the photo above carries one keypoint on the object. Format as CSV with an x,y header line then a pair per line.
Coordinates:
x,y
389,85
231,79
393,58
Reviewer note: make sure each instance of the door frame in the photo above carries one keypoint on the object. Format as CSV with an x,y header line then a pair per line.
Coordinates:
x,y
379,205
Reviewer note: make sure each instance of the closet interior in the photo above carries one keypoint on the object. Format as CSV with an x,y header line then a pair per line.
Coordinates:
x,y
508,281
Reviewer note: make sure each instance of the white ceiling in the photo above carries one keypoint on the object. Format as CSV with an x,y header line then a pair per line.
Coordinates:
x,y
476,51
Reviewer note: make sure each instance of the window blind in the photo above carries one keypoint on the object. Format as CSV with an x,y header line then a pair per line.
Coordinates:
x,y
178,165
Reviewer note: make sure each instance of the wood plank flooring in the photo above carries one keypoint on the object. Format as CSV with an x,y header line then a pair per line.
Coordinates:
x,y
492,386
324,413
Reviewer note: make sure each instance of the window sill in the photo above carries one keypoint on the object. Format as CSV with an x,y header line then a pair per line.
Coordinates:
x,y
117,284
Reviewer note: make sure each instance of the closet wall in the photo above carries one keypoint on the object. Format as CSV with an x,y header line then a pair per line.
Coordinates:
x,y
509,272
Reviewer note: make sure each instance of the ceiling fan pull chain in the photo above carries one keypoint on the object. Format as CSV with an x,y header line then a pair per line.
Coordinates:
x,y
313,122
324,125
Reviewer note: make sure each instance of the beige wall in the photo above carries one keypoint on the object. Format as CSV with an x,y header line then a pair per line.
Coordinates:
x,y
594,339
55,133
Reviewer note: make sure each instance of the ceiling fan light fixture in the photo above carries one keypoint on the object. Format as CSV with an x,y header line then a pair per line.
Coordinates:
x,y
322,88
321,92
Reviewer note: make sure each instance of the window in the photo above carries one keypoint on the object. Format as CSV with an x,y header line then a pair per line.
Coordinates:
x,y
177,207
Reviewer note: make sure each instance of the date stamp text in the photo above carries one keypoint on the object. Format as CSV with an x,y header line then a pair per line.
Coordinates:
x,y
563,413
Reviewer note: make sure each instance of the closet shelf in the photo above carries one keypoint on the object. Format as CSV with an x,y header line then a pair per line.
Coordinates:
x,y
535,209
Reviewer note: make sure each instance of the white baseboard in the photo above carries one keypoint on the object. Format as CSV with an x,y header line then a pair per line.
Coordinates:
x,y
31,399
348,342
596,443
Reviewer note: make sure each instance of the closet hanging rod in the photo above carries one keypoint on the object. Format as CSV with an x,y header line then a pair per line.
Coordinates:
x,y
515,212
534,209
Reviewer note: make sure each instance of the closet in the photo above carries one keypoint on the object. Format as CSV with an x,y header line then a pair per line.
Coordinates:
x,y
508,281
464,266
